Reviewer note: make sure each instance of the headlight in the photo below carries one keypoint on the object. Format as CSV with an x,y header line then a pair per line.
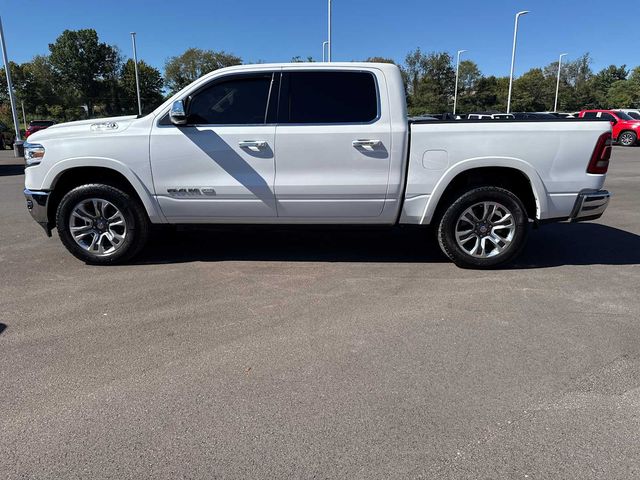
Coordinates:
x,y
33,153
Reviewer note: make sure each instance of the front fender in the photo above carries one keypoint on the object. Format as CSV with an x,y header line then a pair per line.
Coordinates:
x,y
526,168
146,196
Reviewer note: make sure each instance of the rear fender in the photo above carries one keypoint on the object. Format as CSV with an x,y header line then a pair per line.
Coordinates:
x,y
539,191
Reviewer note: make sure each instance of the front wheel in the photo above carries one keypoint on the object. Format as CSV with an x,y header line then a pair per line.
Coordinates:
x,y
100,224
485,227
627,139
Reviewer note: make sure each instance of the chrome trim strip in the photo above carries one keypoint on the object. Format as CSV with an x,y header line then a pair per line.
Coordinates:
x,y
590,205
37,204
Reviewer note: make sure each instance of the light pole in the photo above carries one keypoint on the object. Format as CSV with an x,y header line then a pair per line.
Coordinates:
x,y
513,57
12,100
455,94
555,105
135,64
329,45
24,117
324,44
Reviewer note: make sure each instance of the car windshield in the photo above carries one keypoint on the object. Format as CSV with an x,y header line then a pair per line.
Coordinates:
x,y
634,115
622,115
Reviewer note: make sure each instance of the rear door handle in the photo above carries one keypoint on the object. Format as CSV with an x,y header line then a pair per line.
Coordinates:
x,y
366,143
253,145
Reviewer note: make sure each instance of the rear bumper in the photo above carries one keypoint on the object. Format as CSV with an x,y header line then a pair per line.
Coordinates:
x,y
37,203
590,205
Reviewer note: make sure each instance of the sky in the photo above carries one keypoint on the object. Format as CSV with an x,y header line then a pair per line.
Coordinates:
x,y
277,30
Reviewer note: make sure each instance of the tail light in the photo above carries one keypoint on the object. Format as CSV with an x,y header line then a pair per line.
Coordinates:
x,y
599,163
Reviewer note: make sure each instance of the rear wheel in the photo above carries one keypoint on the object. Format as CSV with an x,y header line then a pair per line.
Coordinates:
x,y
627,139
100,224
483,228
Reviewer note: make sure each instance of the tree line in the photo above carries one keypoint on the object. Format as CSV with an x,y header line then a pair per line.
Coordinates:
x,y
82,77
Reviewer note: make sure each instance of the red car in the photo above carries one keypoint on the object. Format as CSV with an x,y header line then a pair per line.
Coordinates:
x,y
35,125
626,130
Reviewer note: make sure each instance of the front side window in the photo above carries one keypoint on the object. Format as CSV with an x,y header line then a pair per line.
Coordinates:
x,y
608,116
237,101
330,97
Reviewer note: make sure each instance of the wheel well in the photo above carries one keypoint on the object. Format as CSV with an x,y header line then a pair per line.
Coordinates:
x,y
625,131
74,177
508,178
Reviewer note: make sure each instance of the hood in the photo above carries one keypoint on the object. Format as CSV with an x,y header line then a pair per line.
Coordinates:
x,y
95,126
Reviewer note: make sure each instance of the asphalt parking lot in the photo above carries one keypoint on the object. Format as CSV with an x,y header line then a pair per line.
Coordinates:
x,y
322,354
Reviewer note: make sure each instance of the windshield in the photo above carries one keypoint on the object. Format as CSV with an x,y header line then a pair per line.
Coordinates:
x,y
622,115
634,115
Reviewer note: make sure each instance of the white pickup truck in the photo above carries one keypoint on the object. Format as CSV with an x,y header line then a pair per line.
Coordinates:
x,y
325,143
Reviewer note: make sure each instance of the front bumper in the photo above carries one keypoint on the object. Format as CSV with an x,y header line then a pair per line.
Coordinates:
x,y
37,203
590,205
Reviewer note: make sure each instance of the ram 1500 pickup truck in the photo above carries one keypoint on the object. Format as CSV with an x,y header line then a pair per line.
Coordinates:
x,y
311,144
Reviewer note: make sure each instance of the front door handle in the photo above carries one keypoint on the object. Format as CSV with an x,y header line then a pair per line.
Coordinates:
x,y
253,145
369,144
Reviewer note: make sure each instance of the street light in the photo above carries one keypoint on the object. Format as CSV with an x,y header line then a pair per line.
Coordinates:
x,y
455,95
135,64
555,105
24,117
12,100
324,44
329,33
513,56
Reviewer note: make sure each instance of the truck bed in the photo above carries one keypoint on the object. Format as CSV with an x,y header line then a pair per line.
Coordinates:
x,y
553,154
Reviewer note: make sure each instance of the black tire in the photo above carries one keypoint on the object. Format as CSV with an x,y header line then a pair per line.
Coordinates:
x,y
449,222
135,231
627,138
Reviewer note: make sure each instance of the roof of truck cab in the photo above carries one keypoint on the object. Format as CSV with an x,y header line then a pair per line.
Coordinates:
x,y
308,65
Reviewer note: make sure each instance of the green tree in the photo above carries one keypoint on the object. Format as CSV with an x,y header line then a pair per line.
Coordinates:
x,y
532,92
490,94
151,84
299,59
40,91
469,78
625,93
380,60
431,80
578,75
181,70
83,63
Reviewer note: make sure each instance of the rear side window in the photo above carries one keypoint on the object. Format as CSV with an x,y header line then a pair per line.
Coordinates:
x,y
237,101
329,97
622,115
590,114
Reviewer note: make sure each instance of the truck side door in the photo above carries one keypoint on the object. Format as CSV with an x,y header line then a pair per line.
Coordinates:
x,y
221,165
333,139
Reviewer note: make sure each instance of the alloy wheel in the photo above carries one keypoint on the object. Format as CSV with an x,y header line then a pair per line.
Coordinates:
x,y
485,229
627,139
98,226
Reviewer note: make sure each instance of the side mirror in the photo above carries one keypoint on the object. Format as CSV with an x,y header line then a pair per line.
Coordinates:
x,y
178,115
